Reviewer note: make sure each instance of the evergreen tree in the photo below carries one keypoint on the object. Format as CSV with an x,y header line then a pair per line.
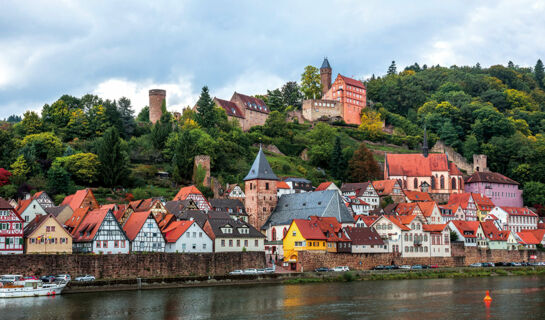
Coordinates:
x,y
182,160
126,116
275,100
291,94
58,181
363,166
337,160
510,65
113,160
143,115
392,69
161,131
539,73
206,117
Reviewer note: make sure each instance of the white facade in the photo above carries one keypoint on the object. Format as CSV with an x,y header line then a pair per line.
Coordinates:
x,y
149,238
389,232
194,239
415,242
511,220
236,193
225,244
30,212
282,191
275,235
370,248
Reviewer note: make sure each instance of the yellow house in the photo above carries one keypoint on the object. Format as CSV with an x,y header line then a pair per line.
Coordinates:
x,y
483,204
302,235
45,234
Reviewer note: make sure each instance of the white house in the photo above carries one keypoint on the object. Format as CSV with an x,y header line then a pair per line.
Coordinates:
x,y
439,235
100,232
144,233
187,236
29,209
366,240
515,219
470,232
364,191
234,235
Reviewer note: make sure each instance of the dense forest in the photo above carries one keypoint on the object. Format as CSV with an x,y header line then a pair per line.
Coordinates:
x,y
75,142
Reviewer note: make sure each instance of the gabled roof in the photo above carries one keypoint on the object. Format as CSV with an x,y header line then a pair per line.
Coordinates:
x,y
466,226
517,211
490,177
326,203
453,170
492,232
75,200
37,222
87,230
461,199
176,207
260,168
135,222
415,164
77,217
251,103
434,228
5,205
448,209
56,210
224,205
352,82
197,215
167,220
282,185
356,186
531,236
186,191
482,202
176,229
368,220
397,221
426,207
230,108
216,224
417,195
22,205
323,186
309,231
325,64
364,236
406,208
384,187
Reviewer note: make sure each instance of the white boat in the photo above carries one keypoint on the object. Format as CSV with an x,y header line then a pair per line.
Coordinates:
x,y
14,286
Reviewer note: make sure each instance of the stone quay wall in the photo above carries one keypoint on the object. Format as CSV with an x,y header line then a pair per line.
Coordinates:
x,y
461,257
120,266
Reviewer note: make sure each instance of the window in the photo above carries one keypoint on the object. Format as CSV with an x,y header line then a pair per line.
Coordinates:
x,y
47,229
266,186
230,243
98,244
223,243
246,243
442,182
294,233
183,246
238,243
194,234
415,183
116,244
256,243
105,244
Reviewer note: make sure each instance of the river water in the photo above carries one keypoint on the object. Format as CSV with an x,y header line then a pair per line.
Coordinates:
x,y
513,298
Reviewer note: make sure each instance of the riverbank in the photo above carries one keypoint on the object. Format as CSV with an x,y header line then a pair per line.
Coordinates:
x,y
295,278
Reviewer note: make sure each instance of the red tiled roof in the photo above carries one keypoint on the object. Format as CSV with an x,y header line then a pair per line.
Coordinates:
x,y
405,208
282,185
186,191
461,199
384,187
134,224
395,220
323,186
109,206
252,103
531,236
90,225
466,226
75,200
176,229
167,219
453,170
309,231
415,164
406,220
230,108
330,227
452,207
77,217
482,202
368,220
352,82
417,195
541,225
516,211
491,177
426,207
434,227
492,232
37,194
22,205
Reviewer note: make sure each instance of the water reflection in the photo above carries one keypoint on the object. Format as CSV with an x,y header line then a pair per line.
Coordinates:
x,y
513,297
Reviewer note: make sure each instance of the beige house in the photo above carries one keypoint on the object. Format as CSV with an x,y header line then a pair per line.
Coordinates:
x,y
45,234
62,213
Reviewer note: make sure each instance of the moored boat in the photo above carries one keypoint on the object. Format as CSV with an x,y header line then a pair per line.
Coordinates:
x,y
14,286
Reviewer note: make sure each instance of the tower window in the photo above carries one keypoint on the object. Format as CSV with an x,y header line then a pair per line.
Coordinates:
x,y
266,186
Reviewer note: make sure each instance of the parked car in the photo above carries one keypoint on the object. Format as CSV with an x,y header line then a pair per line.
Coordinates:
x,y
425,266
488,264
476,265
502,264
250,271
260,271
85,278
269,270
416,267
379,267
341,269
434,266
30,278
405,267
515,264
48,278
391,267
322,269
236,272
63,277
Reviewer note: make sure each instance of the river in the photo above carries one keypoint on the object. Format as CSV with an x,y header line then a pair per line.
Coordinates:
x,y
513,298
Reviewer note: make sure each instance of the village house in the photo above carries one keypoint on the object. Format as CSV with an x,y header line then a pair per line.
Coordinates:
x,y
530,239
337,240
301,206
439,235
143,232
416,196
76,219
503,192
497,239
389,188
187,236
248,111
357,206
100,232
328,186
43,199
178,208
364,221
29,209
283,188
364,191
515,219
81,199
298,185
366,240
233,207
302,235
11,229
470,232
466,202
44,234
191,192
427,210
484,205
235,192
451,212
230,235
61,213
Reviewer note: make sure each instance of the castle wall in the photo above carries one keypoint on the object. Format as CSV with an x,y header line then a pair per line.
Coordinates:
x,y
204,162
453,156
314,109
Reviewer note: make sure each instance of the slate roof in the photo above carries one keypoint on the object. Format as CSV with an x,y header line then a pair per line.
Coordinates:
x,y
55,210
261,168
178,206
364,236
217,224
298,180
491,177
230,108
224,204
325,64
326,203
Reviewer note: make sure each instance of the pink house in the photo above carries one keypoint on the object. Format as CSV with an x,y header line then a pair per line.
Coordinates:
x,y
504,192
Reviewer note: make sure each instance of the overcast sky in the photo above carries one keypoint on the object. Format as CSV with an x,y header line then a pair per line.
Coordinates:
x,y
124,48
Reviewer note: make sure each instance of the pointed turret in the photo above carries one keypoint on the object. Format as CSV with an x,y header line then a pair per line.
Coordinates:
x,y
261,169
325,64
325,76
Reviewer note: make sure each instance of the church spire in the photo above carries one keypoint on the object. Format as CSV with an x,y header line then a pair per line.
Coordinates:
x,y
425,144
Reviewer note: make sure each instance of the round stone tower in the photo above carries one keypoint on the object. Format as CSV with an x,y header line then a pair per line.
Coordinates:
x,y
156,98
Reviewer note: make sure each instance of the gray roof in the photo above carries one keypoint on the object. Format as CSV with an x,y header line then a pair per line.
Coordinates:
x,y
294,179
261,168
217,223
327,203
225,204
55,210
325,64
176,207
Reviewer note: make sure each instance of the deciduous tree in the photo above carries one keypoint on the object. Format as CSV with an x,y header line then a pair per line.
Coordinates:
x,y
363,166
311,85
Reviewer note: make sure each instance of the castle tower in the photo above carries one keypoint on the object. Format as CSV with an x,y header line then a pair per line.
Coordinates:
x,y
325,75
479,163
260,189
156,98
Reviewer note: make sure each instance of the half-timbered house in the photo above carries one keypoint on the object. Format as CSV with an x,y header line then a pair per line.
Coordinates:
x,y
11,229
144,233
194,194
99,232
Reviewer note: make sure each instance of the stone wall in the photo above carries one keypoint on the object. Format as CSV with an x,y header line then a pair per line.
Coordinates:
x,y
115,266
453,156
156,98
204,162
316,109
462,256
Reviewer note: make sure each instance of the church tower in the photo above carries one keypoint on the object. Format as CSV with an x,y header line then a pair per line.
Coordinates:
x,y
325,75
260,189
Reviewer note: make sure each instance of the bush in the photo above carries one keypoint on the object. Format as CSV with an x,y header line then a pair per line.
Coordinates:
x,y
348,276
